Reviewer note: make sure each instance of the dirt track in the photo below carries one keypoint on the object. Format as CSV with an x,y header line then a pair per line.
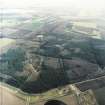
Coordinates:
x,y
9,98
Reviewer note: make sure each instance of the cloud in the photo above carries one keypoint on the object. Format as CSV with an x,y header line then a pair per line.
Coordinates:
x,y
85,4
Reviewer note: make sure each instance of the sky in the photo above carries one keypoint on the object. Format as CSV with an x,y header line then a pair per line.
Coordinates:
x,y
83,4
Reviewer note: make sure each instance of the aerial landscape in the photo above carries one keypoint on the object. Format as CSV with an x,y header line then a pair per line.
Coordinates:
x,y
50,54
